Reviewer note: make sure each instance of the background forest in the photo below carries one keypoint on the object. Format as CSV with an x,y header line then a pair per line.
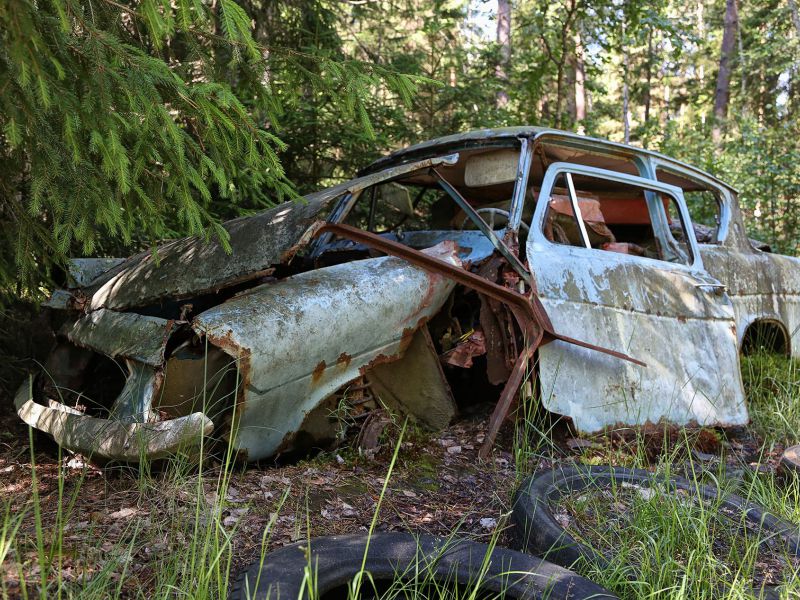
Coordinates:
x,y
128,122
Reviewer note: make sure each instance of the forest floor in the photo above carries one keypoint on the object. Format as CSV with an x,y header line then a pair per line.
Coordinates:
x,y
76,530
438,486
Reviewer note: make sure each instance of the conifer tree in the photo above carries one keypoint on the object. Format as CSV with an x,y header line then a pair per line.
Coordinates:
x,y
124,122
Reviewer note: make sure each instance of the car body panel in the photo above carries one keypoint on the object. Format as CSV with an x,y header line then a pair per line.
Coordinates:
x,y
282,333
670,313
761,286
196,265
111,439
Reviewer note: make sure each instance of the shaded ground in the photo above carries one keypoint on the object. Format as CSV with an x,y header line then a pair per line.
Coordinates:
x,y
128,521
122,526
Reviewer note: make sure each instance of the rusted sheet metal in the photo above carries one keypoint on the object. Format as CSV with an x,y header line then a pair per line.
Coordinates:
x,y
463,353
59,300
416,384
670,311
138,337
193,266
196,378
529,312
134,403
111,439
761,286
473,246
83,271
531,307
288,337
501,135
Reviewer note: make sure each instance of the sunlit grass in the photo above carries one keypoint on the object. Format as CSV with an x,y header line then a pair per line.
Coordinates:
x,y
772,384
666,546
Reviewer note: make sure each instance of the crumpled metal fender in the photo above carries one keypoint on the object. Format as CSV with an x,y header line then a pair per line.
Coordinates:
x,y
196,265
110,439
300,339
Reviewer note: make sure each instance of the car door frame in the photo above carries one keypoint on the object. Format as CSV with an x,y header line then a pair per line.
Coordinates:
x,y
701,311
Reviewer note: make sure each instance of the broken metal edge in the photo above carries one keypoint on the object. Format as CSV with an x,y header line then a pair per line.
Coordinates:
x,y
123,334
111,439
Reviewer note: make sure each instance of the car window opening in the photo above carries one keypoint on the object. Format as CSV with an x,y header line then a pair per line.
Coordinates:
x,y
591,212
703,202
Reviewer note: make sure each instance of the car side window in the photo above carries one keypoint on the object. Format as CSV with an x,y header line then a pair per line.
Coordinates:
x,y
702,201
601,214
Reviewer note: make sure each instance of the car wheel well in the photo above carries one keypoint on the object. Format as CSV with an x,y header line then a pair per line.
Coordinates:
x,y
768,335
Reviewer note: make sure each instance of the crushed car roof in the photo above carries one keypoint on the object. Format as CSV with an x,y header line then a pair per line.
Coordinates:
x,y
500,134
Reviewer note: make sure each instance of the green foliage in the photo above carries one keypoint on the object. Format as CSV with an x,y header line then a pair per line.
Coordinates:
x,y
124,123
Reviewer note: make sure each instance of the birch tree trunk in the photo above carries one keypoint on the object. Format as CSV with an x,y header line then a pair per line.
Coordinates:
x,y
722,92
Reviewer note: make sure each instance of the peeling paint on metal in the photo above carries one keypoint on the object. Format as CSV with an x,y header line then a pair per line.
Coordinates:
x,y
83,271
193,266
318,371
108,439
651,309
128,335
285,331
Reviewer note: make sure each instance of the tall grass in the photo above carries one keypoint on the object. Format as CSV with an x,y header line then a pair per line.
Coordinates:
x,y
772,384
666,546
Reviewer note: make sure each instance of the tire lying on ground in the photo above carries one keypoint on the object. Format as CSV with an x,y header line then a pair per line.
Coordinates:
x,y
335,560
536,529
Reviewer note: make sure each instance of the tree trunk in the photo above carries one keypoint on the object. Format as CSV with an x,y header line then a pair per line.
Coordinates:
x,y
504,41
722,93
580,81
795,16
626,121
648,77
570,80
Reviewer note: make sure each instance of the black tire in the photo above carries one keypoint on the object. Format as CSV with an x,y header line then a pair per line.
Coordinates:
x,y
536,529
336,559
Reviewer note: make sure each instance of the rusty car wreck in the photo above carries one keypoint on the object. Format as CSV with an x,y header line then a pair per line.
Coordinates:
x,y
461,266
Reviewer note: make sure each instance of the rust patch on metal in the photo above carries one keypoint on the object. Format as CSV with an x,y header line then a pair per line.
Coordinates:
x,y
242,356
344,360
316,375
531,306
381,359
309,234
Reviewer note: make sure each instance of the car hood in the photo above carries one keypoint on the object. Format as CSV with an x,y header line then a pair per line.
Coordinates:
x,y
196,265
193,266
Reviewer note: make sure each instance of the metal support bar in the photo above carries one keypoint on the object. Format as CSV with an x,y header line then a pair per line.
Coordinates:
x,y
576,211
484,228
521,184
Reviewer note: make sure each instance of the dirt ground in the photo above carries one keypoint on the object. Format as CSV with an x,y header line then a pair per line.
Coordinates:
x,y
439,486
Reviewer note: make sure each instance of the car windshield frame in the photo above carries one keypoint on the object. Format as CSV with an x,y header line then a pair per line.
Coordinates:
x,y
348,201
